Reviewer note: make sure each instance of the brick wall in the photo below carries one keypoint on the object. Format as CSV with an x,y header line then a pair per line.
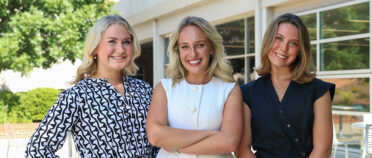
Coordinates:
x,y
24,130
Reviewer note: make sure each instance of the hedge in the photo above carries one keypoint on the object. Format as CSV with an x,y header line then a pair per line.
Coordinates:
x,y
25,107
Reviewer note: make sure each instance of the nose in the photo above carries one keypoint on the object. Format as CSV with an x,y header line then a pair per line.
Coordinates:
x,y
193,52
120,48
284,46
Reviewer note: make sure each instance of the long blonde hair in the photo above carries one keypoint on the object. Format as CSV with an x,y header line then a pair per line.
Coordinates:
x,y
302,68
89,65
218,65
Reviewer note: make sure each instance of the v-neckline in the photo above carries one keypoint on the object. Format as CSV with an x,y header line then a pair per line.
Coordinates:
x,y
274,92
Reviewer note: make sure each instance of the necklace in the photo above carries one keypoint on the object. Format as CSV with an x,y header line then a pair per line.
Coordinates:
x,y
280,87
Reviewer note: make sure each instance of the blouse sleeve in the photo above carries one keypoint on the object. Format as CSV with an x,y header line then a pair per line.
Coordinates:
x,y
52,130
321,87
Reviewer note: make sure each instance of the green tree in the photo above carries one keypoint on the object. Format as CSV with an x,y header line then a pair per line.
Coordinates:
x,y
38,33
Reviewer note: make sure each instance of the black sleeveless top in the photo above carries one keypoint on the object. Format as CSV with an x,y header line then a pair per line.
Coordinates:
x,y
283,129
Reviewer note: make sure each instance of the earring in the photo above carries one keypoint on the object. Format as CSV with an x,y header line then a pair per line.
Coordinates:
x,y
95,57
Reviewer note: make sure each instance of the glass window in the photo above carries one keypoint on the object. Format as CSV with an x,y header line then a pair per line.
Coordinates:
x,y
250,65
251,35
166,57
234,40
238,70
352,94
349,20
233,37
345,55
310,22
313,53
343,43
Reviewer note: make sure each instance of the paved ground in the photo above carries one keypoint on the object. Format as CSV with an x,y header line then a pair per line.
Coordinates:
x,y
16,149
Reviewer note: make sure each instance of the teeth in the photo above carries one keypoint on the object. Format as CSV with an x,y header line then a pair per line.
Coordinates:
x,y
194,61
118,57
280,56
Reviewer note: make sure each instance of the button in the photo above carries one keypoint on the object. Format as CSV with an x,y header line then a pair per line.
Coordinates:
x,y
280,111
296,139
303,154
288,125
192,109
195,88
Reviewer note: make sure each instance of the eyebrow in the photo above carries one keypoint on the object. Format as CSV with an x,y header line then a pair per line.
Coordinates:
x,y
283,36
194,42
110,37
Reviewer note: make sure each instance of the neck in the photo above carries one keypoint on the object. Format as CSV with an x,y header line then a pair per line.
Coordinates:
x,y
112,77
280,74
199,79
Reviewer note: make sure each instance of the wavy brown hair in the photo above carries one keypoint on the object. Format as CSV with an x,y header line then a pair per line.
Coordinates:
x,y
89,65
302,68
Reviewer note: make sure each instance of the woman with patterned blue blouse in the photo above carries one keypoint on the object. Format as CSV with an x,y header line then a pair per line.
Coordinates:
x,y
105,111
197,112
288,112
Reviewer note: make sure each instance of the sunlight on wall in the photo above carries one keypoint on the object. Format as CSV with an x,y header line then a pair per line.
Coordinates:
x,y
57,77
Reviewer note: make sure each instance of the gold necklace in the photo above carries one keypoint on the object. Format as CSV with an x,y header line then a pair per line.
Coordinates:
x,y
280,88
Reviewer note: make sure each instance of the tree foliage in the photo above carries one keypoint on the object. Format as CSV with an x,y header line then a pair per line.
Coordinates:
x,y
38,33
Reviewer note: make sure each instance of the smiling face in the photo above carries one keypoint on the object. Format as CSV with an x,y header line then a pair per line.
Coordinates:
x,y
115,50
195,50
285,46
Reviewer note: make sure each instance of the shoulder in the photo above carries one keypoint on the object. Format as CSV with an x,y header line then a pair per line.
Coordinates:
x,y
255,83
318,83
137,82
218,81
72,92
166,82
320,87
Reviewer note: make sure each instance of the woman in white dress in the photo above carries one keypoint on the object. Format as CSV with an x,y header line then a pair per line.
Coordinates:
x,y
197,111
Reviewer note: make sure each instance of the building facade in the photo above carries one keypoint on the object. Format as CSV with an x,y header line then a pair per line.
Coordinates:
x,y
340,32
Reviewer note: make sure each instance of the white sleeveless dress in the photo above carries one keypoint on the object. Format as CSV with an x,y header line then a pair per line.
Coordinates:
x,y
196,107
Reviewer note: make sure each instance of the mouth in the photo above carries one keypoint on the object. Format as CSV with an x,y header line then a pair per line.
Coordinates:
x,y
194,62
118,57
281,56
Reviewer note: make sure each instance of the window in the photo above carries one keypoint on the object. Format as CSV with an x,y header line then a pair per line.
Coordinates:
x,y
340,41
238,39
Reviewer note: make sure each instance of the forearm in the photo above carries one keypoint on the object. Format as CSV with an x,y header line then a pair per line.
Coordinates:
x,y
175,138
245,153
220,143
320,153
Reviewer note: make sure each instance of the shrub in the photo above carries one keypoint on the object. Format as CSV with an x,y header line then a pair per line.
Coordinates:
x,y
33,105
8,100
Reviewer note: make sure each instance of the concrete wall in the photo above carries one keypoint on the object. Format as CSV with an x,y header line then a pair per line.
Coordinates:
x,y
55,77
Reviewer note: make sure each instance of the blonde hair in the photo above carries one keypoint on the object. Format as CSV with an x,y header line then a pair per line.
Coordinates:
x,y
218,65
89,65
302,68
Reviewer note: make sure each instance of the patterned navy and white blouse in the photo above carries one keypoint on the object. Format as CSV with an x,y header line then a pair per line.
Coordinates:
x,y
102,122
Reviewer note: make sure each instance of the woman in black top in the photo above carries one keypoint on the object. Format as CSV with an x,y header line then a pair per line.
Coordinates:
x,y
105,110
289,110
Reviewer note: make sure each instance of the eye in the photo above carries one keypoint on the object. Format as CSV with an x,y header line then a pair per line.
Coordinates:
x,y
200,45
279,38
127,42
294,44
184,47
111,41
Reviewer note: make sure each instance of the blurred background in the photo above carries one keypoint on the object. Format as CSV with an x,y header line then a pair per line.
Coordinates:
x,y
41,44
